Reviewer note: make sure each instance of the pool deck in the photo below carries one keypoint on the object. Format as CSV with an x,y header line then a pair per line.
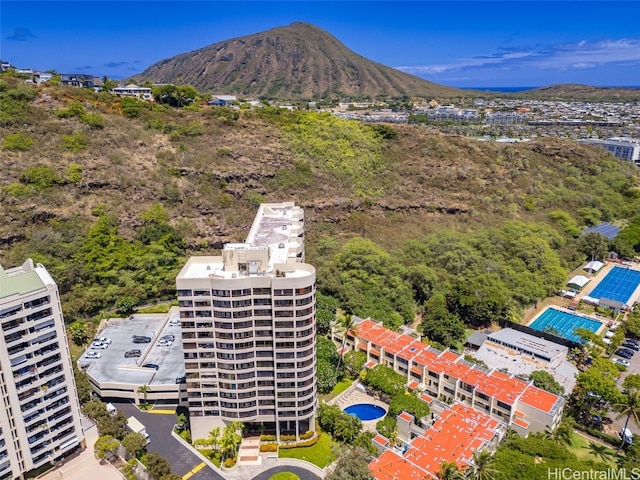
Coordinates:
x,y
353,396
600,320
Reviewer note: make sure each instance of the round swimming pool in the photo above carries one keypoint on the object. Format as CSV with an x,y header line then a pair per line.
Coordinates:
x,y
365,411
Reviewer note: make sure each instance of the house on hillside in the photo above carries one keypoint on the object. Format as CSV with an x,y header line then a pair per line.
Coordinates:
x,y
222,100
133,90
77,80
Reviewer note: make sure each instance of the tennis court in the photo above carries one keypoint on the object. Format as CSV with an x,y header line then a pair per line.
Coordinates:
x,y
563,324
619,285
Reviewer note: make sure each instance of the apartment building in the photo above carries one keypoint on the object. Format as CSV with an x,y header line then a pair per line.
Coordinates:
x,y
248,329
39,410
446,376
621,147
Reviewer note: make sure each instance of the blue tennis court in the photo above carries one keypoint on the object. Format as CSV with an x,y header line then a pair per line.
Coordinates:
x,y
563,324
619,284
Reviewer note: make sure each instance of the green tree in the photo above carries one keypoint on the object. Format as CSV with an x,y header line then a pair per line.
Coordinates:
x,y
327,377
544,380
629,408
449,471
410,404
134,443
352,464
231,439
631,381
347,428
157,465
563,433
594,246
440,325
482,467
354,361
171,476
385,380
106,448
79,332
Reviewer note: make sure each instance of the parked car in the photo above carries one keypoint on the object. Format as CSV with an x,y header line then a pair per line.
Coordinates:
x,y
165,343
631,345
141,339
174,323
151,365
626,435
99,346
181,379
624,353
103,340
621,361
628,350
132,353
92,354
631,340
171,338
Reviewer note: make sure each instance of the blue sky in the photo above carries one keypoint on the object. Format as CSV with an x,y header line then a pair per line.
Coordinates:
x,y
456,43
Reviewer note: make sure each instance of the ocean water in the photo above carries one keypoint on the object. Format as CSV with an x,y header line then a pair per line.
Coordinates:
x,y
522,89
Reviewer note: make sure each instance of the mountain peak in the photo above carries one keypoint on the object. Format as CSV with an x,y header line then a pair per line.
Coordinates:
x,y
297,61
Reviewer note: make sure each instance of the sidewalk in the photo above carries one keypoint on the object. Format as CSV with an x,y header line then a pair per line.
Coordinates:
x,y
85,465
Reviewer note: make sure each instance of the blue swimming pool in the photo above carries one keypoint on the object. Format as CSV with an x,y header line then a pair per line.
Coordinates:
x,y
619,284
563,324
365,411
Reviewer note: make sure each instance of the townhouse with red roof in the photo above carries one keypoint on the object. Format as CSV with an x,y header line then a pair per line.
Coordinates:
x,y
447,377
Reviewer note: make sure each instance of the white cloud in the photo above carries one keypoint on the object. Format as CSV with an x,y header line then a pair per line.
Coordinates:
x,y
580,55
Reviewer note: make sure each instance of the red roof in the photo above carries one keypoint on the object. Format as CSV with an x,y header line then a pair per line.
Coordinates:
x,y
381,440
407,417
392,466
454,437
499,385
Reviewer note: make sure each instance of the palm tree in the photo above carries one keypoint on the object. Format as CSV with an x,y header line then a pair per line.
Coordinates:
x,y
231,439
144,390
482,468
631,408
600,451
449,471
563,433
214,438
348,324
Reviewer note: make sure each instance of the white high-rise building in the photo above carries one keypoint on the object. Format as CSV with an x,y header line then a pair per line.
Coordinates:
x,y
39,407
621,147
248,329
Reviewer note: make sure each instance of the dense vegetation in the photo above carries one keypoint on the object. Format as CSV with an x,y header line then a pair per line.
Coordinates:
x,y
112,195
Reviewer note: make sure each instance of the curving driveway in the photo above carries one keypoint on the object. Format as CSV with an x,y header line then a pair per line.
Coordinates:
x,y
186,463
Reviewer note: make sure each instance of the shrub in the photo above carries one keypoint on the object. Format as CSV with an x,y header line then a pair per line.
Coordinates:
x,y
307,434
40,177
306,443
271,447
75,142
74,173
267,438
130,107
93,121
230,462
18,142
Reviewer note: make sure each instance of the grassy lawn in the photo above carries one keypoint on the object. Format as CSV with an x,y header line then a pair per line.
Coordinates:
x,y
319,454
285,476
580,448
340,387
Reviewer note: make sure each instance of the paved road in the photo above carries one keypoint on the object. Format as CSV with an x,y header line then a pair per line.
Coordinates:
x,y
159,428
183,460
301,472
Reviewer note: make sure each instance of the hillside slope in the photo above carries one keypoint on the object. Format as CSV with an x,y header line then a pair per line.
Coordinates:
x,y
299,61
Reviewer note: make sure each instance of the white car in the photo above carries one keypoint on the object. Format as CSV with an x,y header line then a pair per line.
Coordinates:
x,y
99,346
92,354
165,343
621,361
174,323
103,340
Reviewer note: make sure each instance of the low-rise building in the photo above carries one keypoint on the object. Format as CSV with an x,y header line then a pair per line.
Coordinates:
x,y
621,147
446,376
455,436
133,90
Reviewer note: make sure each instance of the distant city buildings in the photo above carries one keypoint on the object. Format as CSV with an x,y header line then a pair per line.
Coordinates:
x,y
40,412
621,147
248,329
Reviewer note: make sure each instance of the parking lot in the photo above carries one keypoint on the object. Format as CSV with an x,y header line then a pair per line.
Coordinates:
x,y
634,367
115,371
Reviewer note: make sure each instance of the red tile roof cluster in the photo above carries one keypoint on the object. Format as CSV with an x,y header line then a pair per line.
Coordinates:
x,y
496,384
454,437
